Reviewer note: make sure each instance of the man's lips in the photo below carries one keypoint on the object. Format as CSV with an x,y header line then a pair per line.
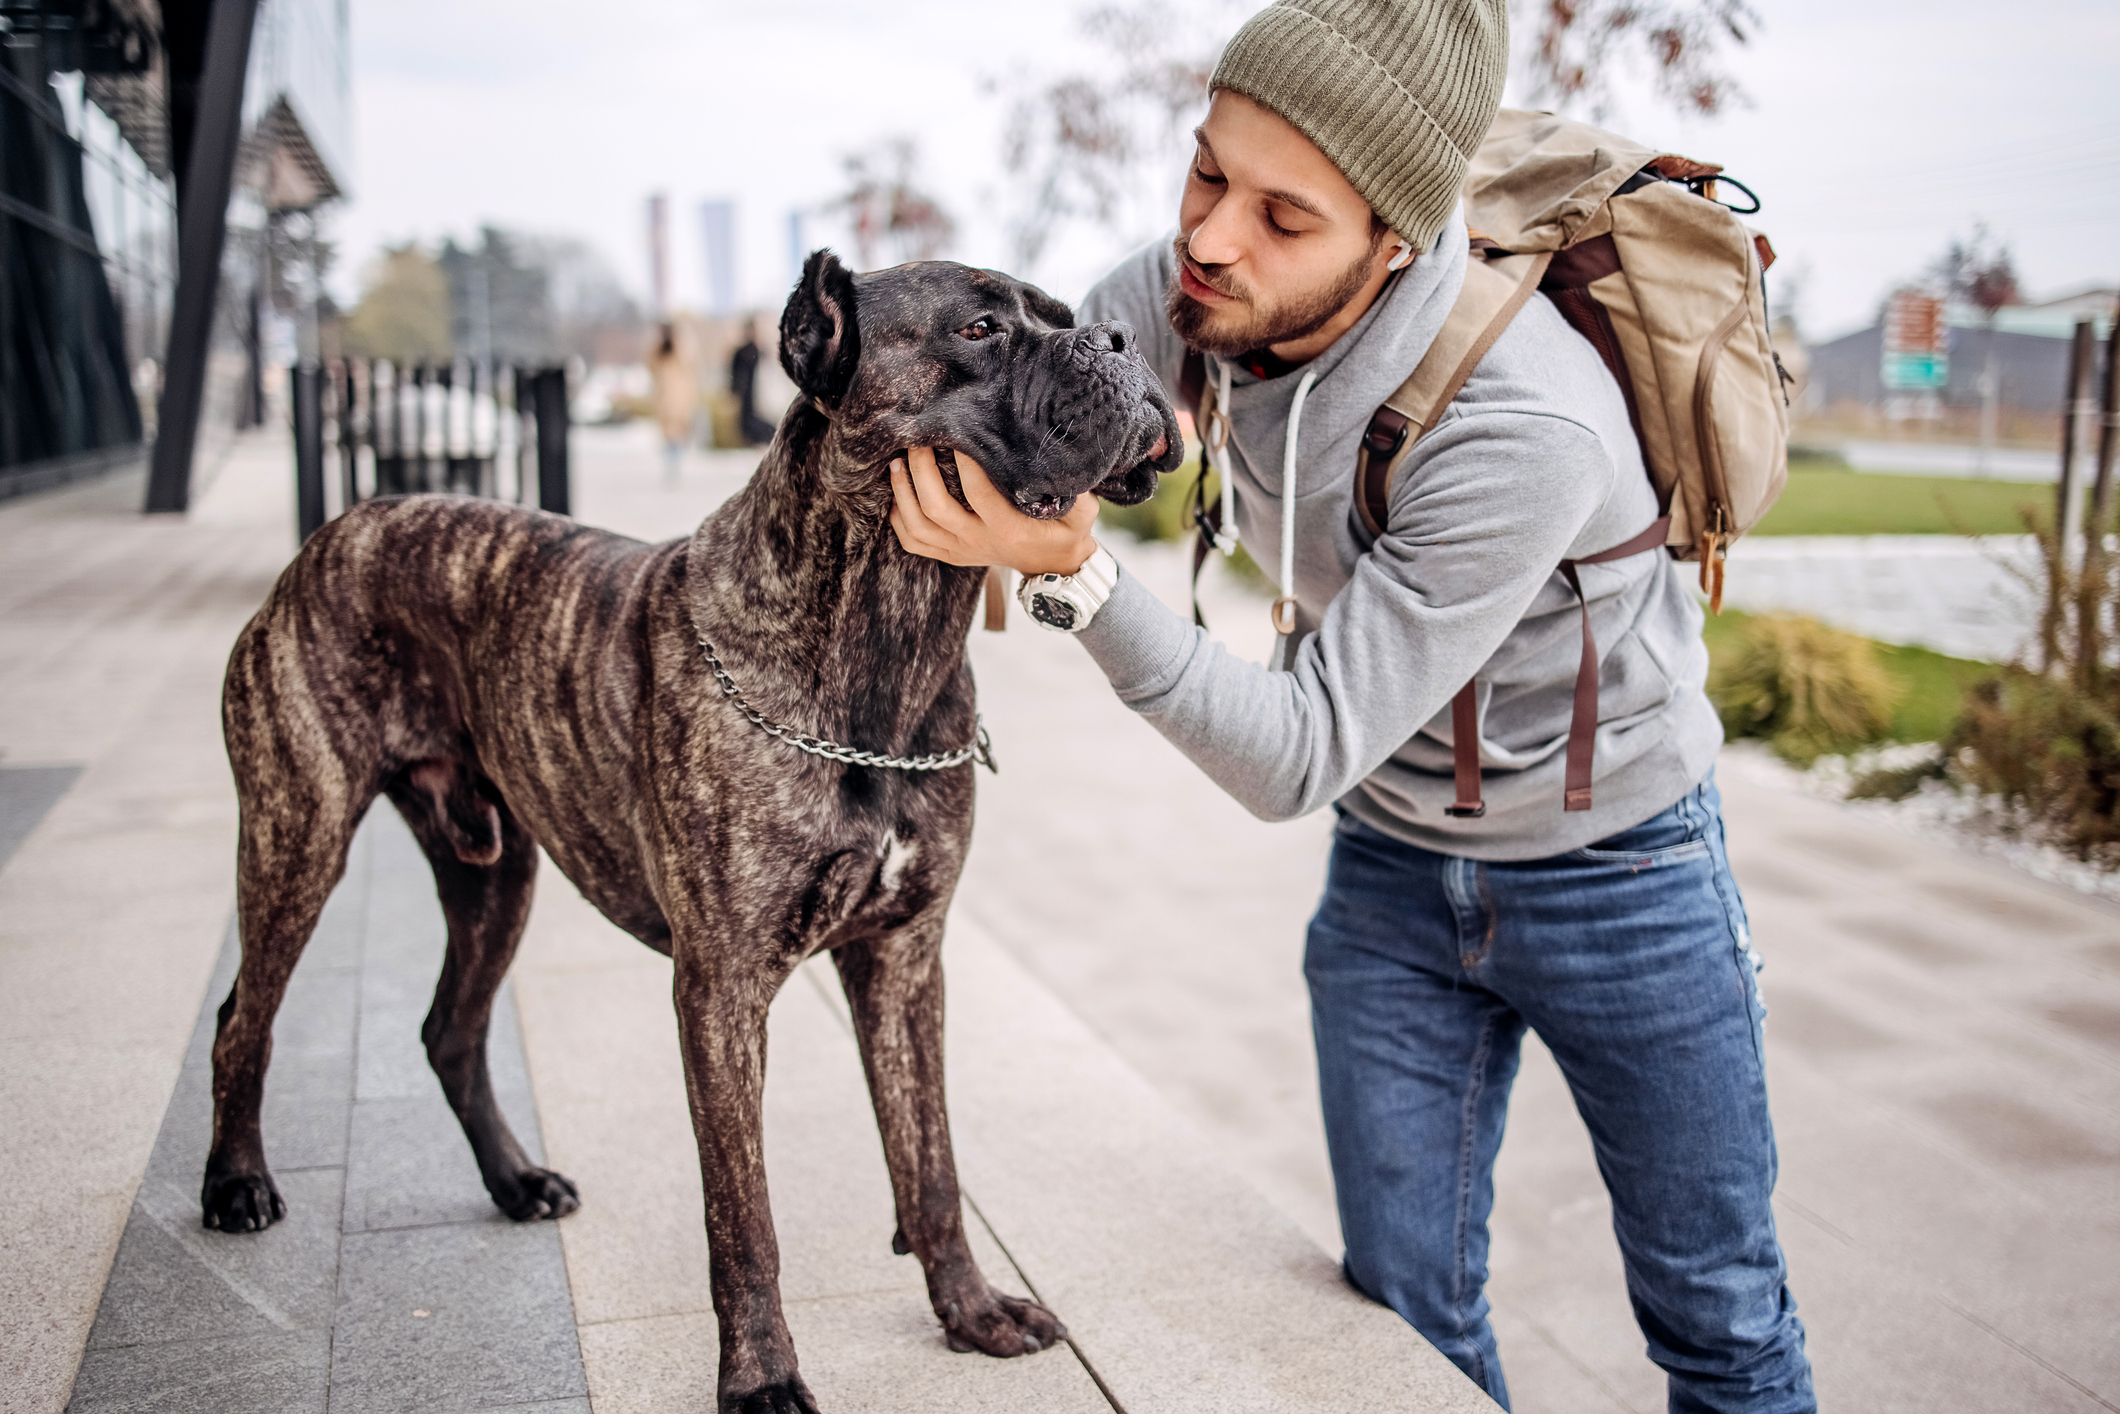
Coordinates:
x,y
1196,287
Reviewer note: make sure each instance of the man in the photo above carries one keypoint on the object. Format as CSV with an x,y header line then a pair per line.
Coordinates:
x,y
1334,147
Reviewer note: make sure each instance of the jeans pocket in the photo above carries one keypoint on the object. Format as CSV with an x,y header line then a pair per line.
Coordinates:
x,y
1642,858
1673,835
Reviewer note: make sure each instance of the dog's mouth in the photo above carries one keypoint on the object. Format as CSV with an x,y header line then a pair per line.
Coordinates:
x,y
1054,507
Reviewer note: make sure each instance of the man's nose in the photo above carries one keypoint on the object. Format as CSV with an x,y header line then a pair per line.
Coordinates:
x,y
1214,240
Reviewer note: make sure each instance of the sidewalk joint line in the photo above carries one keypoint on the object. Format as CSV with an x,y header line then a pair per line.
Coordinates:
x,y
2055,1370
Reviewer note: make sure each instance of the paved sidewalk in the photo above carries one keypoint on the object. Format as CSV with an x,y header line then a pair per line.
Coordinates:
x,y
393,1283
1944,1050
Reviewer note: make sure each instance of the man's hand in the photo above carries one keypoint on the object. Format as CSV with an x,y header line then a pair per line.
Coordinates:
x,y
993,532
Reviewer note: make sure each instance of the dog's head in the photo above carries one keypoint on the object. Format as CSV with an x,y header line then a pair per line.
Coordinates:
x,y
937,354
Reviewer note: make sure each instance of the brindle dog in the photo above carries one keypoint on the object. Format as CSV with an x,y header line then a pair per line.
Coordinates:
x,y
513,680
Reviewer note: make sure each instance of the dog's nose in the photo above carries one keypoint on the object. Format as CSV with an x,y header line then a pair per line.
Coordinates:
x,y
1112,334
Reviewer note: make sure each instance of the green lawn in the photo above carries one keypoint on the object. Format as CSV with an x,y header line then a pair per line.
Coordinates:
x,y
1931,685
1825,498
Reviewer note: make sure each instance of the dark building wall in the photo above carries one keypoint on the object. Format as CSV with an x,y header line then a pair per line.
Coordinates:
x,y
65,382
2033,370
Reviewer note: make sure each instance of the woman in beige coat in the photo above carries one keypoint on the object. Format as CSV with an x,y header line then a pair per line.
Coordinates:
x,y
676,387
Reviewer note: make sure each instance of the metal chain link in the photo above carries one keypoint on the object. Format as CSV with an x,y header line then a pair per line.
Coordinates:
x,y
980,749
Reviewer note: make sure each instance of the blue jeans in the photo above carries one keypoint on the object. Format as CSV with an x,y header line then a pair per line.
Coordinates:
x,y
1631,960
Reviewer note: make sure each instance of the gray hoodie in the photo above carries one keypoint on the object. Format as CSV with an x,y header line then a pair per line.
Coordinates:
x,y
1535,462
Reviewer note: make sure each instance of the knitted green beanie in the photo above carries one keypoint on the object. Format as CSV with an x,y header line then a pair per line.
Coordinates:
x,y
1398,93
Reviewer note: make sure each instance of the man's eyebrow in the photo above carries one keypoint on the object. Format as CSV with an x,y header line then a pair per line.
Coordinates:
x,y
1286,198
1300,203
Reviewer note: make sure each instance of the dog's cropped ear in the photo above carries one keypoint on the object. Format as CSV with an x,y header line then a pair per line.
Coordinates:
x,y
1044,306
819,340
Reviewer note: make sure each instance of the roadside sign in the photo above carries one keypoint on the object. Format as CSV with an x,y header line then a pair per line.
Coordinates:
x,y
1917,343
1910,371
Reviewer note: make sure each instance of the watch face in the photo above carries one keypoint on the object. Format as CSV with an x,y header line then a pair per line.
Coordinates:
x,y
1053,612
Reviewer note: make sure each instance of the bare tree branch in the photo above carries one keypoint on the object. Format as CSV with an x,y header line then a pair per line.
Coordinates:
x,y
1579,49
888,212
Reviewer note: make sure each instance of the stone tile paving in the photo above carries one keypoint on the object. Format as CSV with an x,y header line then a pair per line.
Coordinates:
x,y
27,794
393,1284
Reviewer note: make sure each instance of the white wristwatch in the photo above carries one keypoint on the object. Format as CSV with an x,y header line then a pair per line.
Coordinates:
x,y
1065,603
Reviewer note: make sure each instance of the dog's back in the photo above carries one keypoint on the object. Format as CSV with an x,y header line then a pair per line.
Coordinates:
x,y
457,654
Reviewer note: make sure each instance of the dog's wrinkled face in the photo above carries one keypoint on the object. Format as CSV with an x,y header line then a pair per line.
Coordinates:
x,y
941,355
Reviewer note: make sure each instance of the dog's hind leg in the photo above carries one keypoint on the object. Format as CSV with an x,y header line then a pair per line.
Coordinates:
x,y
484,866
288,859
894,990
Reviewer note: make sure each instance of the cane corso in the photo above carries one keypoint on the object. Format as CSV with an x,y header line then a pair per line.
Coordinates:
x,y
716,739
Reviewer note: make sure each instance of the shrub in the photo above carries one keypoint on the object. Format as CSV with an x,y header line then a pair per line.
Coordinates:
x,y
1167,515
2042,742
1805,688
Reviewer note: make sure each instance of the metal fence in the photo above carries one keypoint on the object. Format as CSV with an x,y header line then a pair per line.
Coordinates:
x,y
475,429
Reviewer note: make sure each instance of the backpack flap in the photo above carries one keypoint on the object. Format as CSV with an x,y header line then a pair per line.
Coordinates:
x,y
1539,180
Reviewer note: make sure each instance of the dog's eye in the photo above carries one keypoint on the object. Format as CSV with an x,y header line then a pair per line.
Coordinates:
x,y
976,330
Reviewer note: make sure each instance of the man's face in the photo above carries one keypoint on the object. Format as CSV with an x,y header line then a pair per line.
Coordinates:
x,y
1272,240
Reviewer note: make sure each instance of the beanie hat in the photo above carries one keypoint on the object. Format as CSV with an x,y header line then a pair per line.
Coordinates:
x,y
1397,93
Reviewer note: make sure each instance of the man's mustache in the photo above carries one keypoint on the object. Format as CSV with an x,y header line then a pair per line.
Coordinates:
x,y
1209,275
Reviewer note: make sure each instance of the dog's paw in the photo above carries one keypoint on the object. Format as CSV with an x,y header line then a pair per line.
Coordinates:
x,y
536,1194
788,1396
1008,1326
241,1202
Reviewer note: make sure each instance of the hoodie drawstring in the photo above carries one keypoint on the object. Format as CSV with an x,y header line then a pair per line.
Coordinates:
x,y
1284,604
1226,536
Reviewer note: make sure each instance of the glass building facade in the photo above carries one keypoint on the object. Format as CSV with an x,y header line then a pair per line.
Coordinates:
x,y
89,252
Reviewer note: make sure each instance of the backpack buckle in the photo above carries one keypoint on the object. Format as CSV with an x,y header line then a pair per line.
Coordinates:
x,y
1385,435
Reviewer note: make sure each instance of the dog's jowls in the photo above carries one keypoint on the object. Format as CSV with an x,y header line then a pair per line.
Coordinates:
x,y
513,680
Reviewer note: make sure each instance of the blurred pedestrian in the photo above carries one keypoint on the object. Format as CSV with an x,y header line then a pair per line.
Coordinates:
x,y
676,387
743,382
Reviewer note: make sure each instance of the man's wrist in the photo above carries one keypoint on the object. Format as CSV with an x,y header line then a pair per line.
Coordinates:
x,y
1069,561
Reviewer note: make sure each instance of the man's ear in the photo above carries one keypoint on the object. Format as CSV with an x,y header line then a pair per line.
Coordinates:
x,y
819,340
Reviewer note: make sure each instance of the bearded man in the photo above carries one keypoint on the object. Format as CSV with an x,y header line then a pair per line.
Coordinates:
x,y
1320,246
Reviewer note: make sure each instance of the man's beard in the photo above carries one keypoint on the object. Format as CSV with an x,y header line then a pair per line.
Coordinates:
x,y
1238,328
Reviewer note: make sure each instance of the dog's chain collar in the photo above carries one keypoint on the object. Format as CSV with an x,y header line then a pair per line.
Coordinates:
x,y
980,749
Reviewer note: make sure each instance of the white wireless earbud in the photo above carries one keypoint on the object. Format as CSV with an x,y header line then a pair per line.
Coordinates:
x,y
1402,257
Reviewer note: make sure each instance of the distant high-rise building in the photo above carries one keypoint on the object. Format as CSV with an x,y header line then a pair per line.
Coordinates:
x,y
717,228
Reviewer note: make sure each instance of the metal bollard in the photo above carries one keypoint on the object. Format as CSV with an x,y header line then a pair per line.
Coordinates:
x,y
346,381
550,388
308,383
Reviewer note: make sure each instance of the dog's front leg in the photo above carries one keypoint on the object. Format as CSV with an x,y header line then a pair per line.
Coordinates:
x,y
721,1020
894,989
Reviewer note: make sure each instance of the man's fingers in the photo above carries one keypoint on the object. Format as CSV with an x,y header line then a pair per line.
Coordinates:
x,y
987,501
936,501
917,532
906,511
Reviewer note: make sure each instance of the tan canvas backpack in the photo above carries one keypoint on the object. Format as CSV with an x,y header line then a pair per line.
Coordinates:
x,y
1633,248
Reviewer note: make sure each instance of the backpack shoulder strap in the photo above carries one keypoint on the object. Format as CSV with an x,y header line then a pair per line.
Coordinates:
x,y
1493,292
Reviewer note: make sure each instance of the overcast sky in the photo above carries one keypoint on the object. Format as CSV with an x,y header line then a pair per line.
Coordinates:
x,y
1876,130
